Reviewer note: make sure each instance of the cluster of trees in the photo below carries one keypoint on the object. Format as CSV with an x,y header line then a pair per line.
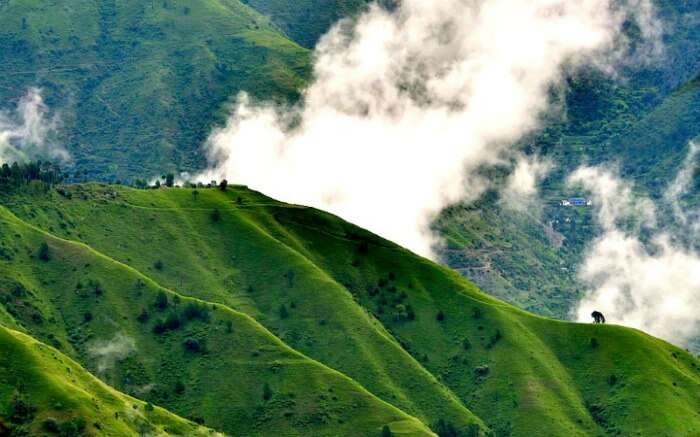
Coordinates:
x,y
175,318
17,174
168,180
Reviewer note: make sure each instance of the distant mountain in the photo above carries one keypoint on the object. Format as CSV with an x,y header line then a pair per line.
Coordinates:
x,y
305,21
641,120
138,85
256,317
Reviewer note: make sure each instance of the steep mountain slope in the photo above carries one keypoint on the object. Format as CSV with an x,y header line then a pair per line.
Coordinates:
x,y
304,21
414,334
655,145
138,85
201,360
44,392
237,262
527,258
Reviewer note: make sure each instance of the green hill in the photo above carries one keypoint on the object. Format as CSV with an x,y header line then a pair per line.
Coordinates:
x,y
287,318
43,392
138,85
204,361
304,21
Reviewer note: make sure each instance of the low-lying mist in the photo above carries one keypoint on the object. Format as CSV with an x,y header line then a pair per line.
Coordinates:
x,y
641,273
406,105
26,131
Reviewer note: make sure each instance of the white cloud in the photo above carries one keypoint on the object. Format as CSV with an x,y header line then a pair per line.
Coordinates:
x,y
25,132
520,192
614,198
406,105
651,285
107,353
688,218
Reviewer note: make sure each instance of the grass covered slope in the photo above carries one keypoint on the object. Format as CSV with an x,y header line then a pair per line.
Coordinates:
x,y
44,392
524,375
138,85
305,21
412,333
203,361
235,261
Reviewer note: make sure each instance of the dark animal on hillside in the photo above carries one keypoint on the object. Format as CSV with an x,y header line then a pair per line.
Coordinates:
x,y
598,317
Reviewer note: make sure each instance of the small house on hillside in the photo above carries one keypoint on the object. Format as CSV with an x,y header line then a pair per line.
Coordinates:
x,y
576,201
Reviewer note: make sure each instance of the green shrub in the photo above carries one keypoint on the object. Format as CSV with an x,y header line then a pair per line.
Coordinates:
x,y
196,311
44,254
476,313
50,425
194,345
482,370
21,411
267,392
161,300
172,322
143,317
179,388
73,427
444,428
495,338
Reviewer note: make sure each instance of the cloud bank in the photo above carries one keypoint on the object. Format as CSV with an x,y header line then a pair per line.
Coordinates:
x,y
520,191
406,105
25,132
650,283
687,217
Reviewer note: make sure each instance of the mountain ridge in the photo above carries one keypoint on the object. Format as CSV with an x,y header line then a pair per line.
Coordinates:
x,y
519,372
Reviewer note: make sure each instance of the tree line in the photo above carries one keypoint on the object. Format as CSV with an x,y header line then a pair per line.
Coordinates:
x,y
17,174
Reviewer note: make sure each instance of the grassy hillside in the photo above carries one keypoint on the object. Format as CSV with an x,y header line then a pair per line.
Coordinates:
x,y
43,392
201,360
304,21
138,85
432,347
